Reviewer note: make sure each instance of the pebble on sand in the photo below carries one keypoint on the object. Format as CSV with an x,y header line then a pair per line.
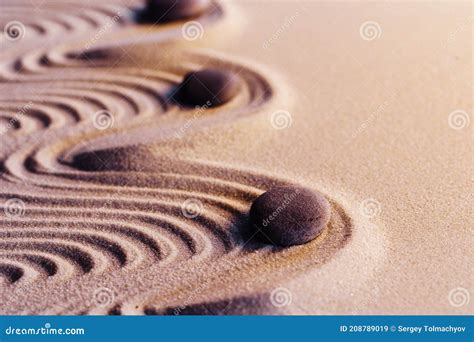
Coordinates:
x,y
289,215
211,87
170,10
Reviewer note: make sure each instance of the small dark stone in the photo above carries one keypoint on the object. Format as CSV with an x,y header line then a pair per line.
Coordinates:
x,y
289,215
209,87
169,10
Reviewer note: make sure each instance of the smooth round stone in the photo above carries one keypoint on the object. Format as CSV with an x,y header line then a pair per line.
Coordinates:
x,y
289,215
168,10
208,87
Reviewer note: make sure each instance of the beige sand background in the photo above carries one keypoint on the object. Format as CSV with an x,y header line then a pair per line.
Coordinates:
x,y
374,103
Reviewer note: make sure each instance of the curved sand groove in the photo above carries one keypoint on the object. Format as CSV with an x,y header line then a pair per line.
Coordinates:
x,y
173,235
71,254
54,18
45,264
257,304
224,193
32,120
152,198
109,247
155,245
233,274
82,93
54,22
9,125
165,212
156,84
11,273
121,96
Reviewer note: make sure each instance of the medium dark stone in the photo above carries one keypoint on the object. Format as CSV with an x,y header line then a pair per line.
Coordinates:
x,y
289,215
168,10
211,87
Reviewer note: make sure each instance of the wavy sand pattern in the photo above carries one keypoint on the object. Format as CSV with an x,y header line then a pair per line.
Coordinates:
x,y
97,217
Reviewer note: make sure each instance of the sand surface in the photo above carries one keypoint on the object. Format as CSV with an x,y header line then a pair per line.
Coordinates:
x,y
116,200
